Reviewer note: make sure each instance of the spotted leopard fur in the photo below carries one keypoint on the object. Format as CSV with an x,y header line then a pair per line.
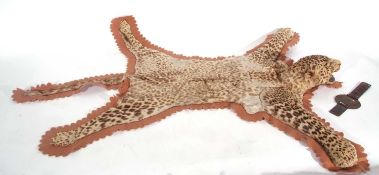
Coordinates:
x,y
257,80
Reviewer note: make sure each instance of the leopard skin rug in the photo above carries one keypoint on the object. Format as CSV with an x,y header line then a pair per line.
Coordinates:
x,y
262,84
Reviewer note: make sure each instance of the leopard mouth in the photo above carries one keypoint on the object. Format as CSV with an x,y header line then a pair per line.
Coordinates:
x,y
336,64
332,79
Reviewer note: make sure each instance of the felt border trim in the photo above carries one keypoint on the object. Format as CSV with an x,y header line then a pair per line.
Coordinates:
x,y
47,148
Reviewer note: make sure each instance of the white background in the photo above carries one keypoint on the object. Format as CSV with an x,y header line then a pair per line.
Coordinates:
x,y
58,41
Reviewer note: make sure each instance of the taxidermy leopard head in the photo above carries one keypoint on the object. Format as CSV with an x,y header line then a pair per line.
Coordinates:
x,y
311,71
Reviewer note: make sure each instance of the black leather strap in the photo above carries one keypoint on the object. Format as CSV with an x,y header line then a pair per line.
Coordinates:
x,y
359,90
349,101
338,110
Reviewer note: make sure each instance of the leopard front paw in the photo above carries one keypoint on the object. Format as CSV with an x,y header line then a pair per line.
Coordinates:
x,y
344,154
64,138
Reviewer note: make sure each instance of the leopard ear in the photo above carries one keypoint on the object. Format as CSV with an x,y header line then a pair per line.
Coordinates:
x,y
309,74
312,76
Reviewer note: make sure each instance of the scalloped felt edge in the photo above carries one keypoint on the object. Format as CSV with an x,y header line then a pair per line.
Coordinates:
x,y
47,148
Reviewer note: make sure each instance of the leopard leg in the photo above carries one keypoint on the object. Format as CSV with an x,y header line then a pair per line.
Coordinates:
x,y
51,91
128,110
129,39
283,105
274,47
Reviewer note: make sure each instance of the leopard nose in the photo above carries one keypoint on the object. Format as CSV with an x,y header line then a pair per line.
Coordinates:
x,y
337,64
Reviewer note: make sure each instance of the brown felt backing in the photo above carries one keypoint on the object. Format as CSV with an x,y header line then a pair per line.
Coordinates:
x,y
47,148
